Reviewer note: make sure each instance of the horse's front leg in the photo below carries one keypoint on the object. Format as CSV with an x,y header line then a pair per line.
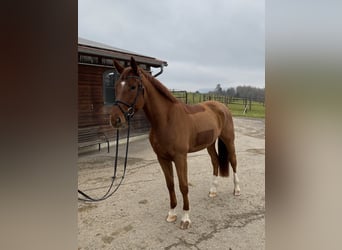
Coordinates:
x,y
182,173
166,166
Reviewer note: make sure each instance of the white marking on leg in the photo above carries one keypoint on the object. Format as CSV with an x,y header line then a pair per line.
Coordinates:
x,y
185,222
172,216
186,216
213,188
237,190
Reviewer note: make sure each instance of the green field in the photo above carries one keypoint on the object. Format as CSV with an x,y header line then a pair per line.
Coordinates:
x,y
236,105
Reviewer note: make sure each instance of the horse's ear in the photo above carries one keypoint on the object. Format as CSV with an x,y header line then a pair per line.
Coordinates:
x,y
118,67
134,66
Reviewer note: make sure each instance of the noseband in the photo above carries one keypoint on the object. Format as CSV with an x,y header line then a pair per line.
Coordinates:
x,y
128,114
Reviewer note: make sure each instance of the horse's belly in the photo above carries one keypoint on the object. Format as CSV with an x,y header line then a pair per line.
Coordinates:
x,y
167,147
204,137
202,140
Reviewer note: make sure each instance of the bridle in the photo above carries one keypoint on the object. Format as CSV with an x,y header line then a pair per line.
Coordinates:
x,y
129,113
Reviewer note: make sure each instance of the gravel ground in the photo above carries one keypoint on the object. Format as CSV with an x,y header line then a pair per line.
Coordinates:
x,y
134,217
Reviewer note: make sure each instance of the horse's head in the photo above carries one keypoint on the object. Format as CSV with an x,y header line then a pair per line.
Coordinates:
x,y
129,94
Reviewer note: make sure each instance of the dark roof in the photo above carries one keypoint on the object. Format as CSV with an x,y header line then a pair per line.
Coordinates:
x,y
95,48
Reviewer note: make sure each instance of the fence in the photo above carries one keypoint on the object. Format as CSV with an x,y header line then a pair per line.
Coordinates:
x,y
180,95
243,105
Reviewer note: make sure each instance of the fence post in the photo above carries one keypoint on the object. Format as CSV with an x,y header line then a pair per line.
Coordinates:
x,y
250,104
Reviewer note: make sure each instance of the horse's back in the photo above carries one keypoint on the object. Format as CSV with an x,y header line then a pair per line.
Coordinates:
x,y
208,110
218,108
222,112
215,105
200,107
193,109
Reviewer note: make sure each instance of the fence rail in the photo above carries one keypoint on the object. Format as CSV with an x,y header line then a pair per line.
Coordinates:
x,y
242,105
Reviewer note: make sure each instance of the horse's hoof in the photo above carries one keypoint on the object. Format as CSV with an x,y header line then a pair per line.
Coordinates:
x,y
171,218
237,192
212,194
185,224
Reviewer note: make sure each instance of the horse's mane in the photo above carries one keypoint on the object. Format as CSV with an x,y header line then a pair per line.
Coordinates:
x,y
160,87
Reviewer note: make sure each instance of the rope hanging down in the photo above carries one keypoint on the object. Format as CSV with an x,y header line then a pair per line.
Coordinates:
x,y
110,192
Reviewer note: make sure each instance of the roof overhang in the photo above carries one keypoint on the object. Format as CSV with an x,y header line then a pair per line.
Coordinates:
x,y
94,48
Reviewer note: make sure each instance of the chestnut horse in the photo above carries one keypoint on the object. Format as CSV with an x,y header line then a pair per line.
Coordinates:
x,y
176,130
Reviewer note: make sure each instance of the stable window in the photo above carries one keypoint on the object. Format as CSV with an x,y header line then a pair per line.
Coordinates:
x,y
89,59
109,79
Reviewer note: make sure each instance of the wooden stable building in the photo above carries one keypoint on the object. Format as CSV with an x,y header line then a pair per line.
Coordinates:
x,y
96,78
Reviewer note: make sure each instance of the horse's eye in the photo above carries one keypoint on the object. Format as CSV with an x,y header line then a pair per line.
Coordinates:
x,y
133,87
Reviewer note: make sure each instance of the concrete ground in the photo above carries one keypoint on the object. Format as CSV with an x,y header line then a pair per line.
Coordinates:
x,y
134,217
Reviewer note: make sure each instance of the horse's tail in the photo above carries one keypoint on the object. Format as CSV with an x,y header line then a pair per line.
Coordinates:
x,y
223,159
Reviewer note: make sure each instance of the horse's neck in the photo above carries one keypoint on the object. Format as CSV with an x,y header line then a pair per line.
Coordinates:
x,y
156,107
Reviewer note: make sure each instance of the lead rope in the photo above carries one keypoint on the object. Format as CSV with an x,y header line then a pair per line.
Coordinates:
x,y
110,192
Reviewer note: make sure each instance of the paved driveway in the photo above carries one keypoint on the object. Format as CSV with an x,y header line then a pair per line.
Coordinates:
x,y
134,217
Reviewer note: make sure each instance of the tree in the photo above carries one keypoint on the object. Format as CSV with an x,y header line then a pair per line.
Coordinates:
x,y
250,92
231,92
218,89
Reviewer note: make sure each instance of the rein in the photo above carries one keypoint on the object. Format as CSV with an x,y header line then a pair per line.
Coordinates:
x,y
110,192
129,113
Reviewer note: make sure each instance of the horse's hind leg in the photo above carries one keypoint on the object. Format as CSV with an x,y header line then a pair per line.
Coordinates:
x,y
166,166
215,162
232,160
227,137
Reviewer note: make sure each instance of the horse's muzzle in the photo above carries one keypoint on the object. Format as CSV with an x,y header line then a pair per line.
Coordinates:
x,y
116,121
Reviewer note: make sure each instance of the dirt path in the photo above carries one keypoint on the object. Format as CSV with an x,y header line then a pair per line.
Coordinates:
x,y
134,217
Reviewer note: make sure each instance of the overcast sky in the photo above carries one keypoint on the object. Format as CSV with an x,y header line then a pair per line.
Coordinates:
x,y
205,42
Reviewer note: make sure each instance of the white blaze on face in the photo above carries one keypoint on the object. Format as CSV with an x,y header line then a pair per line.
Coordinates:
x,y
123,83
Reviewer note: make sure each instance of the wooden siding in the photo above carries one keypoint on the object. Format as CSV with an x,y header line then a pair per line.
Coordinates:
x,y
90,96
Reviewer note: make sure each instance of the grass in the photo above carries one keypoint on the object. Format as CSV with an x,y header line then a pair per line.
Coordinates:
x,y
258,110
